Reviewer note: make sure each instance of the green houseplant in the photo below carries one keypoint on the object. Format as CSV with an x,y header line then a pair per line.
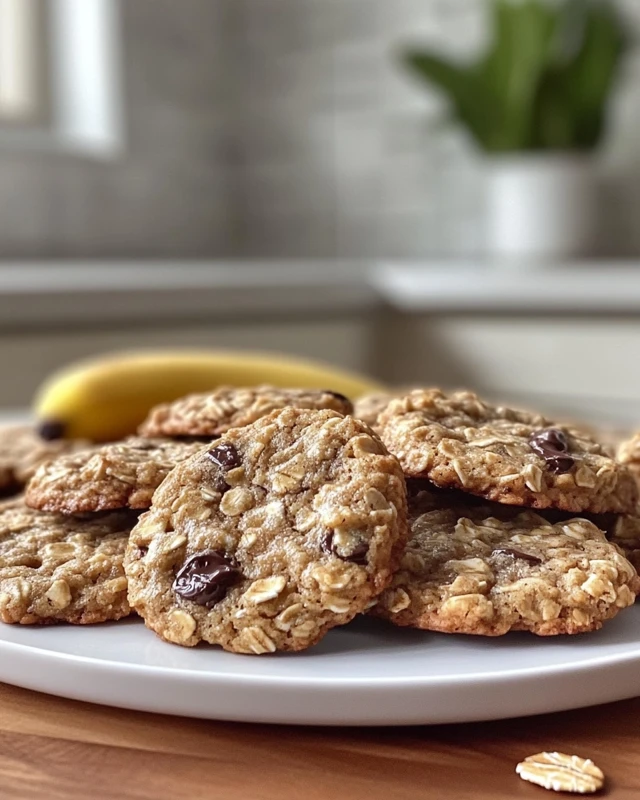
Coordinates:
x,y
536,101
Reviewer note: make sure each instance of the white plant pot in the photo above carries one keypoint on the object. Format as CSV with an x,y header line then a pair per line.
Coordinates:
x,y
540,207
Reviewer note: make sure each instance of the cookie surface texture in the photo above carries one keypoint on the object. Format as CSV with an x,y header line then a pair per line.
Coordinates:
x,y
120,475
467,571
625,532
227,407
62,569
271,536
368,407
507,456
628,453
22,451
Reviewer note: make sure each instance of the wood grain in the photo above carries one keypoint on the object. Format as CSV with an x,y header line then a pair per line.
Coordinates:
x,y
57,749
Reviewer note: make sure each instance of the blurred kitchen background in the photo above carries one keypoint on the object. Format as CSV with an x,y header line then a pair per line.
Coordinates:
x,y
323,177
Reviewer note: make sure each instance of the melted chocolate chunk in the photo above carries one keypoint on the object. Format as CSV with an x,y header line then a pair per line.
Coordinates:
x,y
552,445
509,551
225,456
205,578
560,464
337,395
551,439
417,485
327,543
220,485
51,430
359,555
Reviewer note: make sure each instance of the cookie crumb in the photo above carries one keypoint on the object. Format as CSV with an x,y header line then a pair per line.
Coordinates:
x,y
561,773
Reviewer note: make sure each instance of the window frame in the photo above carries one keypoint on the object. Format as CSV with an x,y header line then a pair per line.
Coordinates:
x,y
79,97
24,85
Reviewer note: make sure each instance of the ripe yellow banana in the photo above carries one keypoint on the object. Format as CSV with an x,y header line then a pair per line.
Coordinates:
x,y
107,397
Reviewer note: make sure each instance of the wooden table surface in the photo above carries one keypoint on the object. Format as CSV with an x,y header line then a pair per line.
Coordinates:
x,y
65,750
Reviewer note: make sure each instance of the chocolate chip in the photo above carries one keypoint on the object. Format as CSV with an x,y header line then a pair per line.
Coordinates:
x,y
552,445
225,456
337,395
220,485
560,465
509,551
552,439
417,485
205,578
51,429
145,446
358,556
327,543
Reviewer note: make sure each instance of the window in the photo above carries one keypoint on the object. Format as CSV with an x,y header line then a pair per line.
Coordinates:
x,y
60,82
22,82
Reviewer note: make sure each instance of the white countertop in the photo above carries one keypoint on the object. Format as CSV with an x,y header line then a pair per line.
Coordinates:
x,y
95,291
41,294
599,287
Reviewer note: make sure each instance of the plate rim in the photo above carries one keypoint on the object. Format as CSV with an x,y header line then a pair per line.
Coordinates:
x,y
282,681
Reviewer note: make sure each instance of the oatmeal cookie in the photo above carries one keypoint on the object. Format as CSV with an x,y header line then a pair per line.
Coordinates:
x,y
628,453
624,531
120,475
368,407
467,571
62,569
512,457
22,450
227,407
271,536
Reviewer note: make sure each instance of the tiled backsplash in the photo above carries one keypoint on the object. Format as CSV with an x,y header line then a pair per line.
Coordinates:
x,y
167,196
286,128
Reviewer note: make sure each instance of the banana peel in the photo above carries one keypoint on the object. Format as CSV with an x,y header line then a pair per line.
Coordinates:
x,y
106,397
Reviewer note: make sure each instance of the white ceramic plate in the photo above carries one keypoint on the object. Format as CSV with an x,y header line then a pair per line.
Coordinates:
x,y
367,673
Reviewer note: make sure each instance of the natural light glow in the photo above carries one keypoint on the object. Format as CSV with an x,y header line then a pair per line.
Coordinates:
x,y
20,96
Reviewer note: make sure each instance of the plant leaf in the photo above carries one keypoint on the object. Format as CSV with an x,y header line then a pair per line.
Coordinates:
x,y
554,124
468,97
519,54
590,76
544,81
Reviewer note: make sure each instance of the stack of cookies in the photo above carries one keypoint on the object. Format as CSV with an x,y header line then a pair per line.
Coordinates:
x,y
507,513
625,529
258,519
